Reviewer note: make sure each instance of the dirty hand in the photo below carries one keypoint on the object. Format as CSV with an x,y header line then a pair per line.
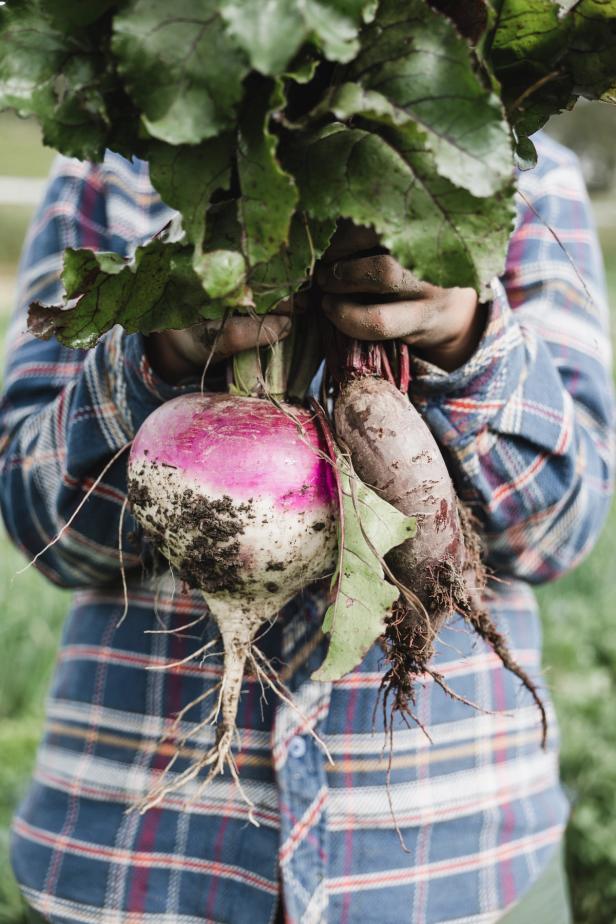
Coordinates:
x,y
373,297
182,354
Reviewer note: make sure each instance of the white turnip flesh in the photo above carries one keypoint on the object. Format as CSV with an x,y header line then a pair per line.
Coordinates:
x,y
241,499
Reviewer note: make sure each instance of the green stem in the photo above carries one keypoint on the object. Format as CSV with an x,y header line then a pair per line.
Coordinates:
x,y
278,365
247,375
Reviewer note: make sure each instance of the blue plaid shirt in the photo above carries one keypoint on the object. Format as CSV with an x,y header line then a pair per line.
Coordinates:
x,y
526,425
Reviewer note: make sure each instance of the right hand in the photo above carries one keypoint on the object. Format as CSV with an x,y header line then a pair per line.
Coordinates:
x,y
177,355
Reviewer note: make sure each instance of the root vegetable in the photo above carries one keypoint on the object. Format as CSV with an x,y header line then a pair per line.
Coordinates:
x,y
393,451
241,500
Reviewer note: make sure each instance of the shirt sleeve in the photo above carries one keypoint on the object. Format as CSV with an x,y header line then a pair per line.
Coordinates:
x,y
65,414
527,422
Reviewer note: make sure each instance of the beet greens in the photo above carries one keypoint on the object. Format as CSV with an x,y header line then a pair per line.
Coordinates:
x,y
263,125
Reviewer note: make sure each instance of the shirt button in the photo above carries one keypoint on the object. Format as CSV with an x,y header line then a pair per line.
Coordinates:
x,y
297,747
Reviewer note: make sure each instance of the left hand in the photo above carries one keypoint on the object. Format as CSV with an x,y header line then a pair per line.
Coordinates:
x,y
375,298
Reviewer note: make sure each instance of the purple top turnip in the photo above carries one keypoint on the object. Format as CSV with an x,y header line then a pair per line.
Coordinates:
x,y
239,496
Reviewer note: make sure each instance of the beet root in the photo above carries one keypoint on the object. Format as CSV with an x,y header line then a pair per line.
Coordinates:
x,y
440,570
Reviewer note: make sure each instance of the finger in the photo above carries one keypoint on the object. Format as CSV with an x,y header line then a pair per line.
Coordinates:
x,y
349,239
240,334
388,321
284,307
381,275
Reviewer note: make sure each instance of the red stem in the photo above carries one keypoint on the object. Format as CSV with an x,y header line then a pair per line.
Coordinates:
x,y
386,370
404,368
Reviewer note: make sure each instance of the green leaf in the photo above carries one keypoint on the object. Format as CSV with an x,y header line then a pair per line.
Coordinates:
x,y
58,77
157,290
444,234
272,32
356,619
269,194
416,59
77,14
591,55
186,176
181,67
335,24
547,54
303,68
222,272
526,46
290,269
470,18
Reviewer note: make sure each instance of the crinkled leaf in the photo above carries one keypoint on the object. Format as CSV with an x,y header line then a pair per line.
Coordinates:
x,y
441,232
547,54
268,193
356,619
334,24
423,156
271,32
157,290
303,68
186,176
181,67
221,265
78,14
415,58
57,76
290,269
526,46
222,272
591,56
471,18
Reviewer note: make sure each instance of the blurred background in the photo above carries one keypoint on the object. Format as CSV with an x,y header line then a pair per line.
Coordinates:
x,y
580,625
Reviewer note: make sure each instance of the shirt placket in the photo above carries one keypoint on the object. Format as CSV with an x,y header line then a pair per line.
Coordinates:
x,y
300,765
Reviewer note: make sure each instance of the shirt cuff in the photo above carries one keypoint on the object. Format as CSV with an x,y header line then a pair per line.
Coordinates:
x,y
458,404
136,389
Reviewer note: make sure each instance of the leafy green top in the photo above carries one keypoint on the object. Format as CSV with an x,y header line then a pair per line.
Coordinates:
x,y
264,123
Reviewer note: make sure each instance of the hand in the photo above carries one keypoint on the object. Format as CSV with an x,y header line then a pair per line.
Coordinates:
x,y
177,355
374,298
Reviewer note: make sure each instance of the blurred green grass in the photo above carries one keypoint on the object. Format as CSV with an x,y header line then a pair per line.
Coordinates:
x,y
580,643
32,611
21,152
32,615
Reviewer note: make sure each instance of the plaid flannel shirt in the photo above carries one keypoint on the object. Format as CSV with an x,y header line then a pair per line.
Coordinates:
x,y
526,426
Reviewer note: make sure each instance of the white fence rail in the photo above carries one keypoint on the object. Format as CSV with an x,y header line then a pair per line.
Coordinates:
x,y
28,191
19,190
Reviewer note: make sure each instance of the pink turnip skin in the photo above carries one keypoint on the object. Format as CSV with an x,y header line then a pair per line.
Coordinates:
x,y
271,519
242,501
